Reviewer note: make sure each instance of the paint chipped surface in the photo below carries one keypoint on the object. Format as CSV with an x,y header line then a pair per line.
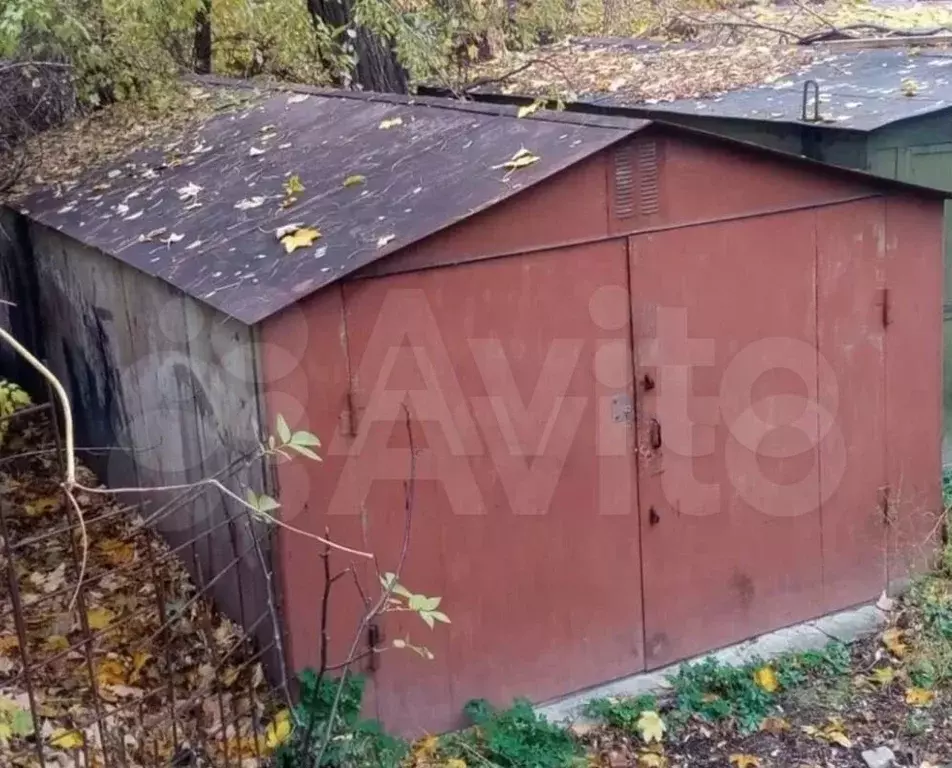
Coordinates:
x,y
207,209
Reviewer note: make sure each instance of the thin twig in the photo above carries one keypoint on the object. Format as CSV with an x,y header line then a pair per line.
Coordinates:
x,y
383,600
212,482
483,81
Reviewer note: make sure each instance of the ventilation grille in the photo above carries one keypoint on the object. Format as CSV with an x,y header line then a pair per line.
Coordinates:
x,y
648,196
636,180
624,184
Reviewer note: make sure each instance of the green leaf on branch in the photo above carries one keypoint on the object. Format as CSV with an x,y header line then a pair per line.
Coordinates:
x,y
390,583
305,438
262,503
284,431
302,442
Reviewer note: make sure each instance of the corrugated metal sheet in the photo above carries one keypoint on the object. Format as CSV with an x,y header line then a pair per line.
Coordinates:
x,y
182,212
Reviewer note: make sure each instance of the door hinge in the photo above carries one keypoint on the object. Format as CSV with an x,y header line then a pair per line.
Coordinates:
x,y
885,505
348,417
374,639
884,306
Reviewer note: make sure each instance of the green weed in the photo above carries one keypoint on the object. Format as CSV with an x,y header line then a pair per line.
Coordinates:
x,y
716,691
928,606
621,713
516,737
354,741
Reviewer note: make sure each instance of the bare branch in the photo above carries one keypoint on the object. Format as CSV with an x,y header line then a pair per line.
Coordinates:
x,y
377,608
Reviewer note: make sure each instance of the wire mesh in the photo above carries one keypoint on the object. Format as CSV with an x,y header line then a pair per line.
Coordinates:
x,y
112,652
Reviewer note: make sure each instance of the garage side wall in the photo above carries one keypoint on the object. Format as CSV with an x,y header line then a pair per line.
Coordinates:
x,y
166,384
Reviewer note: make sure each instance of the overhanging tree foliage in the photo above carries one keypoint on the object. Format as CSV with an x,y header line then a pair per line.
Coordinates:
x,y
375,63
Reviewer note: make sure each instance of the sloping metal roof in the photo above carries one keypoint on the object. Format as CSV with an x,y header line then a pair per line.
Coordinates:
x,y
859,90
204,214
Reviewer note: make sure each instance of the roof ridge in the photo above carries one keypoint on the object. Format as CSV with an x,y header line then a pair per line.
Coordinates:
x,y
443,98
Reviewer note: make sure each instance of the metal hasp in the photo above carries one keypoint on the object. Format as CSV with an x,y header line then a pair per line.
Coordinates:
x,y
622,410
815,117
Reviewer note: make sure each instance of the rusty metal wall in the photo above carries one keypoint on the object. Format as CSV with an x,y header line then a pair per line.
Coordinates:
x,y
725,326
913,385
520,523
791,290
851,337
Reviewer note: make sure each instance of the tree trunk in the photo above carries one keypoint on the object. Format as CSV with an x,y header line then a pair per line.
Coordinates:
x,y
202,51
377,68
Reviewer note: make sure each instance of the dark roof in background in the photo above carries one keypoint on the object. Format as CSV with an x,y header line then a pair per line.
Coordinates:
x,y
859,90
172,213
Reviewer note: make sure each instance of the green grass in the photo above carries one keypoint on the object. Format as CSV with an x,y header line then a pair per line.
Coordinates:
x,y
716,692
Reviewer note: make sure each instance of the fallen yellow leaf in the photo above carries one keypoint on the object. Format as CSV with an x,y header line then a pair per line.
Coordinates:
x,y
833,733
99,618
117,552
774,725
455,762
521,159
230,675
9,643
529,109
355,180
57,643
838,737
111,672
278,730
299,238
139,660
650,726
651,760
425,748
63,738
242,747
883,675
392,122
892,639
293,186
766,678
836,734
745,761
42,506
919,697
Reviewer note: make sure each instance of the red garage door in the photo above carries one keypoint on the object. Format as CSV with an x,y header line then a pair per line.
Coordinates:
x,y
517,378
725,330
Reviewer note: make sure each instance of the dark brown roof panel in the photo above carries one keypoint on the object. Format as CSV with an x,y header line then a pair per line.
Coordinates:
x,y
203,215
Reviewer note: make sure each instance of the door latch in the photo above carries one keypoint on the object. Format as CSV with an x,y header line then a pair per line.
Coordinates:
x,y
654,434
653,517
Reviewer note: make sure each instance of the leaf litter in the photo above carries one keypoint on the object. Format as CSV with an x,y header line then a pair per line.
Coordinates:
x,y
198,655
689,51
825,722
